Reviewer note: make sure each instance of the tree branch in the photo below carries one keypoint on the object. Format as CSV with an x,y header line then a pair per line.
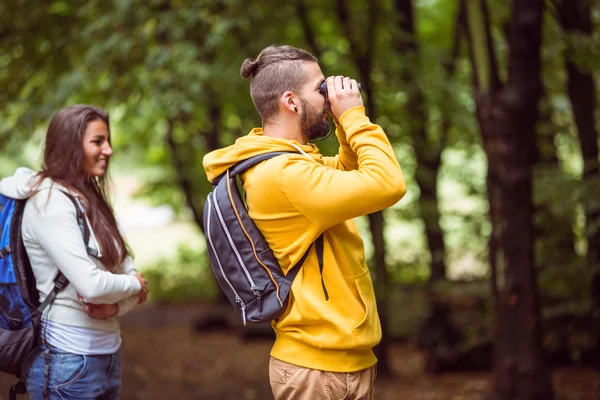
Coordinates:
x,y
362,59
308,32
371,32
406,41
450,66
184,182
485,67
554,9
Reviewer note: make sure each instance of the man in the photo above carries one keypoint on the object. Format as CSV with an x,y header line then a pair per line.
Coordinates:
x,y
325,337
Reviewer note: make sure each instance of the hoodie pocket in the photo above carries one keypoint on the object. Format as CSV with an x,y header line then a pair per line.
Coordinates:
x,y
368,330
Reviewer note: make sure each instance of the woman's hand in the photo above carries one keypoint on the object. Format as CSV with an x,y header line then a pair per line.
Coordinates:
x,y
99,311
143,294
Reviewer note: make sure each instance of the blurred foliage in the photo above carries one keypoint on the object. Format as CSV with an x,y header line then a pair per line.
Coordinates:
x,y
186,276
168,71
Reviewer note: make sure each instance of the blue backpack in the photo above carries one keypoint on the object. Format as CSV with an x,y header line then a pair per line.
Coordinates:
x,y
240,257
20,309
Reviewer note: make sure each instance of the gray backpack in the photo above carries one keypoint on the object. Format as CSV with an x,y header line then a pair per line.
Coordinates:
x,y
240,257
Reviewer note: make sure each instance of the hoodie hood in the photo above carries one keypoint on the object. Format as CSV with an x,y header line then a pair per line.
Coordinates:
x,y
253,144
19,185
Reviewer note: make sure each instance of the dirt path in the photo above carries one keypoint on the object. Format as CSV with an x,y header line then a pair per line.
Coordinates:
x,y
165,358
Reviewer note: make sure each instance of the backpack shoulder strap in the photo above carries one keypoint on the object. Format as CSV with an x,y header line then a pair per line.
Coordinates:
x,y
250,162
85,230
291,275
60,281
22,267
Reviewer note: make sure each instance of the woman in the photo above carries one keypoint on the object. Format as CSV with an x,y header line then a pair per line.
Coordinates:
x,y
80,330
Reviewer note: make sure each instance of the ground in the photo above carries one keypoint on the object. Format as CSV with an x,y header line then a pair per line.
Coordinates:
x,y
164,357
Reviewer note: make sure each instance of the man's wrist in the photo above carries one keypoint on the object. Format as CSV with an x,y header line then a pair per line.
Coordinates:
x,y
350,115
353,118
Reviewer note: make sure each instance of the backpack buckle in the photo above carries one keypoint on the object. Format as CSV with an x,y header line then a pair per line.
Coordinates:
x,y
60,282
5,251
18,388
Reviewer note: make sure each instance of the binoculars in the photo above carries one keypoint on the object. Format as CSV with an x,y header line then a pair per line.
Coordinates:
x,y
323,88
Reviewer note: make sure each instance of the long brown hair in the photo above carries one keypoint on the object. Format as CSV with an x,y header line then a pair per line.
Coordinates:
x,y
63,163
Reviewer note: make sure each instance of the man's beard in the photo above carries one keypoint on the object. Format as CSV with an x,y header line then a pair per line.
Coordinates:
x,y
312,124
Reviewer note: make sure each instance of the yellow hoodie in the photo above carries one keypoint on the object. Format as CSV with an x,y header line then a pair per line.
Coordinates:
x,y
294,198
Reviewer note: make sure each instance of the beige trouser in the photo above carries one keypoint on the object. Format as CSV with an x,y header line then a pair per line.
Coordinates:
x,y
291,382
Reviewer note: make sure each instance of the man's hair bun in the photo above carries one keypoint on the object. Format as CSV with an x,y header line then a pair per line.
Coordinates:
x,y
248,67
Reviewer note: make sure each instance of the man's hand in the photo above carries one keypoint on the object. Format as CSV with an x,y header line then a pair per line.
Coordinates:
x,y
343,94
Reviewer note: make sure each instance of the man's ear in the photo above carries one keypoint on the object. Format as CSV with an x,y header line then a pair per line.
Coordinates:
x,y
290,101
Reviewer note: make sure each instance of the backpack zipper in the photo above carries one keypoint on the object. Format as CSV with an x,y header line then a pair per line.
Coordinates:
x,y
257,293
235,250
258,300
238,299
13,323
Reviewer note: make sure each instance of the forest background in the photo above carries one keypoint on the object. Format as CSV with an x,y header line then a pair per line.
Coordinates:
x,y
490,106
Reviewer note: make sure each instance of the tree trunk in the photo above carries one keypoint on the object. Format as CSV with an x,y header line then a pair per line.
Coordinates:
x,y
309,35
182,178
363,56
438,335
184,156
183,162
376,225
428,152
507,117
555,244
575,17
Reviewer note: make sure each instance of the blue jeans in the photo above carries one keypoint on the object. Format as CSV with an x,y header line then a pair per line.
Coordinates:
x,y
73,376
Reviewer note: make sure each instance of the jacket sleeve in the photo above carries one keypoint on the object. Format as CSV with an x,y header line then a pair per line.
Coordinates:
x,y
329,196
346,159
128,304
57,232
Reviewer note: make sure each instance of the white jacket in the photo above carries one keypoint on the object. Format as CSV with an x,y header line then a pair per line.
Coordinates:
x,y
54,241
